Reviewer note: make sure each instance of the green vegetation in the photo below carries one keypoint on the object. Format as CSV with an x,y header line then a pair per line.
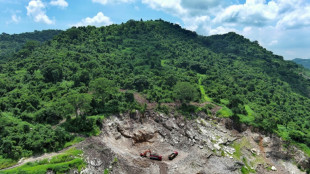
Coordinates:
x,y
224,102
21,138
84,125
74,141
4,163
106,171
224,112
115,160
246,169
238,145
250,117
11,44
185,92
58,164
80,72
204,97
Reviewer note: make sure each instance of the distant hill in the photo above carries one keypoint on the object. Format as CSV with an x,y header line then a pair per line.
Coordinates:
x,y
10,44
304,62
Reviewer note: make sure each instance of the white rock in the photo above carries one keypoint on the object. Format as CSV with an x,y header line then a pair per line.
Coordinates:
x,y
217,146
266,141
229,150
254,151
273,168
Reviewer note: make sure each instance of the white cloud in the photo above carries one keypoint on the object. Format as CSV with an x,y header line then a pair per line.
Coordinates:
x,y
253,13
296,19
172,6
195,23
36,9
16,19
221,30
60,3
99,20
104,2
274,42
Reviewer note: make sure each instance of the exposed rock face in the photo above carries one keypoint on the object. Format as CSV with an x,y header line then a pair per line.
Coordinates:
x,y
205,145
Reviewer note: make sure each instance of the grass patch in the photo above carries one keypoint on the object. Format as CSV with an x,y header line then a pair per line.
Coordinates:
x,y
224,112
96,117
74,141
58,164
224,102
249,118
247,168
5,163
283,132
244,170
238,147
106,171
204,97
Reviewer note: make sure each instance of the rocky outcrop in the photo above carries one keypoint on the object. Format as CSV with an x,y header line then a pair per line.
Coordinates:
x,y
205,145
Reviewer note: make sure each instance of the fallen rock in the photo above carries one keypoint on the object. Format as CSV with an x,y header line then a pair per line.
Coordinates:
x,y
217,146
142,136
273,168
169,125
266,142
256,137
254,151
229,150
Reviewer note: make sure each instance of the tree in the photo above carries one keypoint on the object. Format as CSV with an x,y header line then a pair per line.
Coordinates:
x,y
52,72
185,92
141,82
103,88
80,102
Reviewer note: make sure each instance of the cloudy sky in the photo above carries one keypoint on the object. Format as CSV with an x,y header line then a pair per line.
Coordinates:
x,y
282,26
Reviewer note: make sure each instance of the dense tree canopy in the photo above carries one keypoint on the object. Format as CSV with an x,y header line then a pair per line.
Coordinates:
x,y
185,92
10,44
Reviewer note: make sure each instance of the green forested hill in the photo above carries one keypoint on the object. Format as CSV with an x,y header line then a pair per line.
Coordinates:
x,y
78,74
303,62
10,44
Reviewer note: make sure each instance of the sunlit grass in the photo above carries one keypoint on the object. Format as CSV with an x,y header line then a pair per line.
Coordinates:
x,y
58,164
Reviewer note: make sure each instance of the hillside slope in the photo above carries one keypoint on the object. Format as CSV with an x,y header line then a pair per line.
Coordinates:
x,y
82,73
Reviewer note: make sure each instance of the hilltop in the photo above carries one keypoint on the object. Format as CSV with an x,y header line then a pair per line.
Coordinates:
x,y
68,84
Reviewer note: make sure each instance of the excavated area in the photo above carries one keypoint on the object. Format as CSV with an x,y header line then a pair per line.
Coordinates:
x,y
206,145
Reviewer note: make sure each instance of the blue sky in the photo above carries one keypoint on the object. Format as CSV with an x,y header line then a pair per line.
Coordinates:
x,y
282,26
